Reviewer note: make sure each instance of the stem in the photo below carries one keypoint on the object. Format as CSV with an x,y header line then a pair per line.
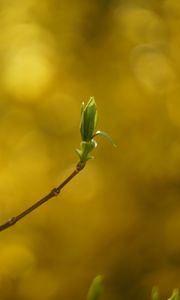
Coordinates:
x,y
55,192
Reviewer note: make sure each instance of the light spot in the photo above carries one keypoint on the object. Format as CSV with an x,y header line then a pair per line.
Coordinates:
x,y
39,284
28,73
140,25
15,260
152,69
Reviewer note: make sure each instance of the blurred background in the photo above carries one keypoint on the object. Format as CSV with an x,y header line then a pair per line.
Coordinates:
x,y
120,217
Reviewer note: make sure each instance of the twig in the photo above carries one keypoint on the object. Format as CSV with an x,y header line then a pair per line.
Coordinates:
x,y
53,193
88,122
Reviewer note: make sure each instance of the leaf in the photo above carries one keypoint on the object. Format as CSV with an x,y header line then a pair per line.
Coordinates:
x,y
155,293
95,290
106,136
85,149
175,295
81,114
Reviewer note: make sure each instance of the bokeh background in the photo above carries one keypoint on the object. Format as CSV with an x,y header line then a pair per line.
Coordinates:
x,y
121,216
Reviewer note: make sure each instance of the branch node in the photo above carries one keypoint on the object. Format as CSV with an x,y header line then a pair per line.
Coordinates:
x,y
55,191
80,165
12,221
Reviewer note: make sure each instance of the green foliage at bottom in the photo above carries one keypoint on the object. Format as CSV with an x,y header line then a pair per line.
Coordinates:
x,y
155,294
95,291
96,288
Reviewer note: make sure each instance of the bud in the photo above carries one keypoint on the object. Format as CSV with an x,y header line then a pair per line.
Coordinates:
x,y
88,120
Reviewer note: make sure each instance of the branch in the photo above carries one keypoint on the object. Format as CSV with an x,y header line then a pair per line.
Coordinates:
x,y
88,122
55,192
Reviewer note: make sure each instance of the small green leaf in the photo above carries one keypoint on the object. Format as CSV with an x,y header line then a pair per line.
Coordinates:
x,y
106,136
155,293
85,149
175,295
96,288
81,114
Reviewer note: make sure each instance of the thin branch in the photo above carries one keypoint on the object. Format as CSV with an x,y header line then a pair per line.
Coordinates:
x,y
51,194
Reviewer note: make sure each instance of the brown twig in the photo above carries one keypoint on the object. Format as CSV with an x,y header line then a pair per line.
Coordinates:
x,y
51,194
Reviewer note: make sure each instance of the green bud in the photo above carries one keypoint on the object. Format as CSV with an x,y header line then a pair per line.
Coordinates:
x,y
88,120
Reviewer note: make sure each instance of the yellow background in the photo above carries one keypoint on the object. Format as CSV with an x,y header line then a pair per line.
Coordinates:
x,y
120,217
